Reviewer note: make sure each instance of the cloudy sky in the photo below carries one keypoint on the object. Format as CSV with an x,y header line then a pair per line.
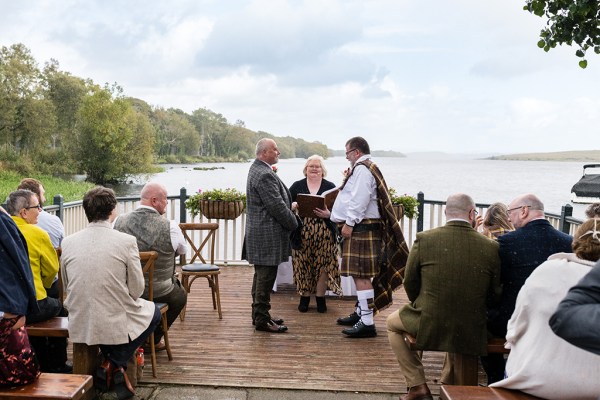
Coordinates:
x,y
461,76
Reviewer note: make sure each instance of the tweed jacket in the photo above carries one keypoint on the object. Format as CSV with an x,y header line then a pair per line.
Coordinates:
x,y
269,220
521,252
451,273
103,281
152,232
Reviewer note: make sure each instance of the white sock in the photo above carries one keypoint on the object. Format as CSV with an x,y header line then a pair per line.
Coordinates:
x,y
366,314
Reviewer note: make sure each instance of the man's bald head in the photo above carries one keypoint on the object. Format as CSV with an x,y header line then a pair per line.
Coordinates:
x,y
154,195
460,205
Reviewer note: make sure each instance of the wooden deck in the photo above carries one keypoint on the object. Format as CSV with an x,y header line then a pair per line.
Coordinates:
x,y
313,354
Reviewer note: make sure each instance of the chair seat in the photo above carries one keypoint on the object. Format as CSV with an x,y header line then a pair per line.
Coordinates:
x,y
199,267
161,305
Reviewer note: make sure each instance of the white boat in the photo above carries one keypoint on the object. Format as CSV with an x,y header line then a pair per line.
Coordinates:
x,y
587,190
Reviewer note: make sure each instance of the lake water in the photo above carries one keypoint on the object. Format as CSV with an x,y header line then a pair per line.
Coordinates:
x,y
487,181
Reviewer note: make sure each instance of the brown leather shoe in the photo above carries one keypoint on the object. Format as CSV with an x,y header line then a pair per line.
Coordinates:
x,y
419,392
271,327
122,387
104,375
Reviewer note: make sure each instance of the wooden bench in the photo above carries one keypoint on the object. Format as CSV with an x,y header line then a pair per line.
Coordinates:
x,y
448,392
52,387
54,327
466,367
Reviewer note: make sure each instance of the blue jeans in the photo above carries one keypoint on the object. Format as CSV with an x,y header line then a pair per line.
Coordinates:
x,y
119,354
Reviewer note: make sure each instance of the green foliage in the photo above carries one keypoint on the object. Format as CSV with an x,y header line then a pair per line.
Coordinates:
x,y
229,194
68,188
569,22
410,203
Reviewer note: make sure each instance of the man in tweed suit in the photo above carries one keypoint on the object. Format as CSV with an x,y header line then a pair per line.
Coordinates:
x,y
269,223
451,273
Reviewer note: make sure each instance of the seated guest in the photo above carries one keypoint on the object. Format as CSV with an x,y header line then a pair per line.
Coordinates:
x,y
541,363
577,317
521,252
156,233
48,222
496,222
24,207
18,365
103,281
448,292
593,211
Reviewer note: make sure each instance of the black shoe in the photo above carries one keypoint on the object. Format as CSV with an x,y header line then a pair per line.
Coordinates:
x,y
304,302
321,305
360,330
275,320
350,320
271,327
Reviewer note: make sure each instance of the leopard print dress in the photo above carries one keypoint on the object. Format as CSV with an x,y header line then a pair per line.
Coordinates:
x,y
319,253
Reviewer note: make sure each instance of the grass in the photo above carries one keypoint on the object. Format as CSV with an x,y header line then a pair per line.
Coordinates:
x,y
69,189
580,156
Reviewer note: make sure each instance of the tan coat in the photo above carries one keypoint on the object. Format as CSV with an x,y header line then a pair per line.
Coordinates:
x,y
103,282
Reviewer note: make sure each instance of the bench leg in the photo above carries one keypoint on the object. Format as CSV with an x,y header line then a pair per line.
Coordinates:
x,y
466,370
85,359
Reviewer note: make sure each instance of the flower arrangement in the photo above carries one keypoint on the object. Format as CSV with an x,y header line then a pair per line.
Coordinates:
x,y
194,202
410,203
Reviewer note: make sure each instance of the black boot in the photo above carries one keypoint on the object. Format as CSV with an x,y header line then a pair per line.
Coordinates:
x,y
321,306
304,302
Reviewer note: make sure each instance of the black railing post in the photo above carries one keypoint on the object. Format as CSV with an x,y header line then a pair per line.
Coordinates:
x,y
182,209
59,201
565,211
421,208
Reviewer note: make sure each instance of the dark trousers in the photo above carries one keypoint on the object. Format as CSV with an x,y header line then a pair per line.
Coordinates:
x,y
176,300
50,351
262,284
119,354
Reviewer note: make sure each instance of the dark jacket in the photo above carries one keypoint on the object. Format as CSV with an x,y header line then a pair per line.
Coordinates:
x,y
521,252
577,317
17,291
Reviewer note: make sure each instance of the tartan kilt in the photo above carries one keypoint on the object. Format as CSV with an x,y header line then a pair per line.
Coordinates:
x,y
361,254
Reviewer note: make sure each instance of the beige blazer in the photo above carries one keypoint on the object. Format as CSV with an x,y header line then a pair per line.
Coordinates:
x,y
103,282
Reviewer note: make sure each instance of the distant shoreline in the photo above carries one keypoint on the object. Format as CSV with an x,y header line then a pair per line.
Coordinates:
x,y
577,156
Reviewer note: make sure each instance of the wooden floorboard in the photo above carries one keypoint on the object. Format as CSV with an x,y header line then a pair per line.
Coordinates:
x,y
312,355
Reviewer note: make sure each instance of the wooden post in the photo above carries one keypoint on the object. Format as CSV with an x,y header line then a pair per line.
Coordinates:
x,y
465,369
421,208
565,212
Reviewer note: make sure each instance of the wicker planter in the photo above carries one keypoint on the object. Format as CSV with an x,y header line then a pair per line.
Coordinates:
x,y
217,209
399,210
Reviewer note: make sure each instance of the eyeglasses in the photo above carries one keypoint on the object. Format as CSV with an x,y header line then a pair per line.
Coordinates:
x,y
475,212
516,208
349,151
39,207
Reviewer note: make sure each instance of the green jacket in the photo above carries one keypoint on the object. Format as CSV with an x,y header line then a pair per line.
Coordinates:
x,y
452,273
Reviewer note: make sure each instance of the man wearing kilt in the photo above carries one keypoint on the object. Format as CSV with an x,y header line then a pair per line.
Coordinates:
x,y
367,225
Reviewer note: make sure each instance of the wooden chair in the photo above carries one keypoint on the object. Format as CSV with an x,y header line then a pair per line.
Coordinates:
x,y
147,258
197,269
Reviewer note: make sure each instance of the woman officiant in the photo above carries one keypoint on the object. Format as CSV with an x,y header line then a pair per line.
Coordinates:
x,y
315,263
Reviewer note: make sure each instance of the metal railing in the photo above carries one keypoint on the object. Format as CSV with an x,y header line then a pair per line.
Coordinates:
x,y
230,236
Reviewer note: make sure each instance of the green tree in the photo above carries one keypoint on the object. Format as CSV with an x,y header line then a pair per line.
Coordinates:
x,y
569,22
109,139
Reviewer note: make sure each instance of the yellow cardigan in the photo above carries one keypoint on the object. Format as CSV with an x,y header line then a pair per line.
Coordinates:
x,y
42,256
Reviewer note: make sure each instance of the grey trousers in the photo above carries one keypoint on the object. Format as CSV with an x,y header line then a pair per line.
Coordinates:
x,y
262,284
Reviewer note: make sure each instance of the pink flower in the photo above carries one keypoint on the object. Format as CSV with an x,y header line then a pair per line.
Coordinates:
x,y
274,168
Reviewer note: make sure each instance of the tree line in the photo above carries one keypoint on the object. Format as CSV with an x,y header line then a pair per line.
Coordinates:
x,y
54,122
